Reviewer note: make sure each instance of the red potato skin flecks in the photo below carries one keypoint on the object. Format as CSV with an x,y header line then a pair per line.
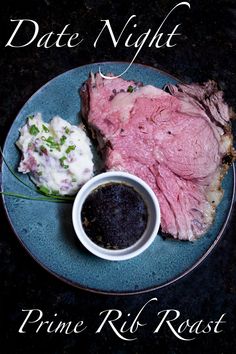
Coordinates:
x,y
174,141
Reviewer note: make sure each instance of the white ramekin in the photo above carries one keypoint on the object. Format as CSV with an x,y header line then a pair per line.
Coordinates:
x,y
153,223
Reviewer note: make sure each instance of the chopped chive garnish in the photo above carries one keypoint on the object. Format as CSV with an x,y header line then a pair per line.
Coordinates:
x,y
45,129
31,116
70,148
62,160
51,143
43,149
67,130
63,139
33,130
130,89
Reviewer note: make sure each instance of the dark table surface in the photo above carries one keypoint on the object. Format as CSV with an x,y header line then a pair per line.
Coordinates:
x,y
203,51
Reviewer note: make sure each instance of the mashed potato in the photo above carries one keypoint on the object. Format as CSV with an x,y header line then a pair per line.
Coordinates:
x,y
57,155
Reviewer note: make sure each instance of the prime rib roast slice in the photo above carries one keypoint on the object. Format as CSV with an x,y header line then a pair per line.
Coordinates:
x,y
175,139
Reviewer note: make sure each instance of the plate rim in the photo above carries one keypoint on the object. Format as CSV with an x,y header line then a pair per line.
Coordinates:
x,y
91,289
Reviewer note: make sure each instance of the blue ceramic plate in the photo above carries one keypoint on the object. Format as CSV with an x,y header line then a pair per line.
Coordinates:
x,y
45,229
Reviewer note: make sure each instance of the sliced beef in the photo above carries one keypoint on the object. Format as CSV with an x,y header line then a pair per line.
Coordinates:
x,y
174,141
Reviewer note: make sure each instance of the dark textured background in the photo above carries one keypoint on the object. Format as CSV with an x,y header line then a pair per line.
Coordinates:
x,y
205,50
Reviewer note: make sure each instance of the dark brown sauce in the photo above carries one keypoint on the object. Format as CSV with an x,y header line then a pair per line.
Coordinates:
x,y
114,216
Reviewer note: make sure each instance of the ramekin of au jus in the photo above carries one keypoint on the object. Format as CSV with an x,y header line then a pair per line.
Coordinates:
x,y
116,215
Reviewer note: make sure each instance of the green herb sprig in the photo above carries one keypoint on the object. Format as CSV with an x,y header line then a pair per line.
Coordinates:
x,y
41,190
